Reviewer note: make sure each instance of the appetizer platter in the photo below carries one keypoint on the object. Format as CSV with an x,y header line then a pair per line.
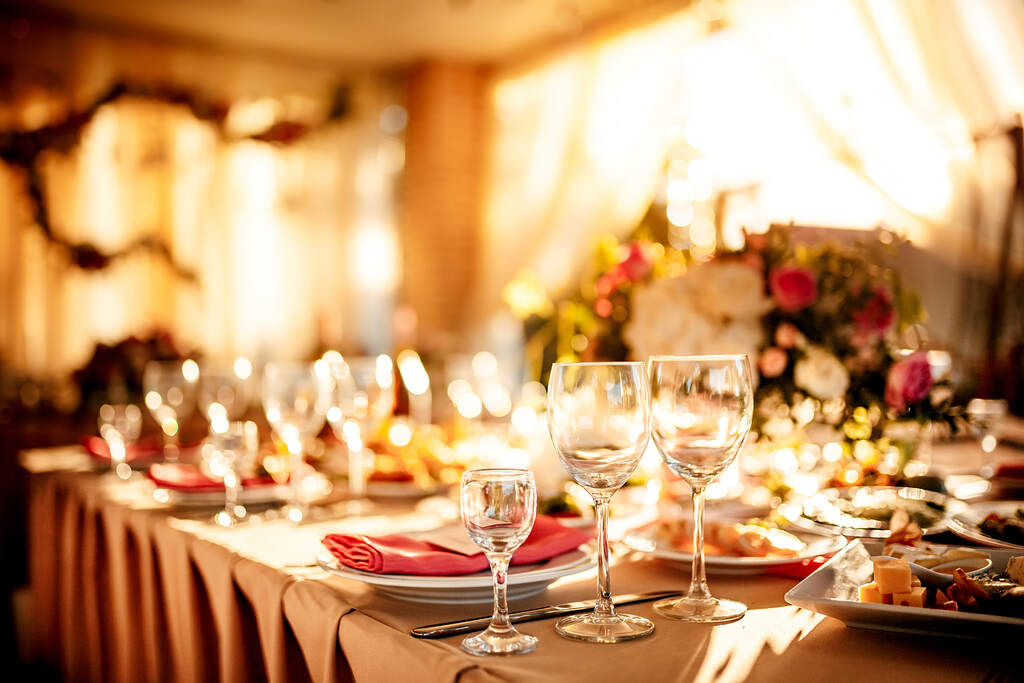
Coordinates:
x,y
865,588
867,511
734,547
996,524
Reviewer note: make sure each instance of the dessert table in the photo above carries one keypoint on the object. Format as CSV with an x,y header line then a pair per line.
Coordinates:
x,y
128,589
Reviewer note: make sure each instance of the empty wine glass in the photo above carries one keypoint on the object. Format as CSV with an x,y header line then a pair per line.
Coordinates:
x,y
296,399
599,415
363,396
702,408
170,391
225,390
235,445
119,425
498,509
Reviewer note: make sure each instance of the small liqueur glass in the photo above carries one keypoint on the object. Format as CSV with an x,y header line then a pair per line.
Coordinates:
x,y
498,509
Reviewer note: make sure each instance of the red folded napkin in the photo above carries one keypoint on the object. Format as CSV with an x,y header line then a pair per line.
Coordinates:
x,y
186,477
139,450
398,554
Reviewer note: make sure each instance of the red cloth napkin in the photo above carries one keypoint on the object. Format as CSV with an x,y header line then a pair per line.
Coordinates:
x,y
398,554
139,450
185,477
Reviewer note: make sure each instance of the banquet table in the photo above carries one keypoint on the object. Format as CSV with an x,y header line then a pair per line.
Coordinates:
x,y
127,589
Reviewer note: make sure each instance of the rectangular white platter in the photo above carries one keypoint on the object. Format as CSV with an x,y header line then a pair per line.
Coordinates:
x,y
832,590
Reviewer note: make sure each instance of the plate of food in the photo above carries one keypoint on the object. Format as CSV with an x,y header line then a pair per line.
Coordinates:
x,y
998,524
864,589
867,511
524,580
734,547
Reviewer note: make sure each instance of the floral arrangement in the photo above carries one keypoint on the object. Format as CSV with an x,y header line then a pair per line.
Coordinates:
x,y
822,324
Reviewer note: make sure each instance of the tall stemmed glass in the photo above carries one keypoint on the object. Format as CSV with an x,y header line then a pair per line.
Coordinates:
x,y
119,425
236,445
702,409
599,415
363,396
170,392
225,390
295,399
498,509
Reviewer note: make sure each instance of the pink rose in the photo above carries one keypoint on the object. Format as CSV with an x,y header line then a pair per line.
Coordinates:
x,y
793,287
875,319
909,381
787,335
772,362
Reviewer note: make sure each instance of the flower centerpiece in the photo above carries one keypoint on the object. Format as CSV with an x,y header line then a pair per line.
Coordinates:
x,y
822,324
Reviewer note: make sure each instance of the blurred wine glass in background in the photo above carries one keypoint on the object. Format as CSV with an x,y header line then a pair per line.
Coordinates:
x,y
119,425
170,395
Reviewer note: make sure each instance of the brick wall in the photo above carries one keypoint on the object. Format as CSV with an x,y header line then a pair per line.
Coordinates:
x,y
441,195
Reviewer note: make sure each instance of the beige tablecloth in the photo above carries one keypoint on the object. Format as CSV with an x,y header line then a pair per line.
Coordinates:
x,y
127,590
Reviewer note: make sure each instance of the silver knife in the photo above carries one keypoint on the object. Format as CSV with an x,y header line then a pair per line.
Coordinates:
x,y
452,628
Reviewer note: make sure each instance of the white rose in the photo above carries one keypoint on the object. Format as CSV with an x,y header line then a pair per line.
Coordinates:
x,y
821,374
728,289
664,321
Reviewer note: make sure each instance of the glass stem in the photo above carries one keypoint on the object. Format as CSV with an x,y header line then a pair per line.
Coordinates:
x,y
296,480
499,569
231,484
356,475
172,451
698,581
603,607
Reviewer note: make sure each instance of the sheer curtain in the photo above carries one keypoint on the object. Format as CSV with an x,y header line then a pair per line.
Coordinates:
x,y
848,113
272,232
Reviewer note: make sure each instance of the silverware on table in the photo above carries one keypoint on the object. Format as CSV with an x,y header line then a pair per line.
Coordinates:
x,y
465,626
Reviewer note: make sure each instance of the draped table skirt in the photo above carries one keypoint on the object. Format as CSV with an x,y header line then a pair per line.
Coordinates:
x,y
126,590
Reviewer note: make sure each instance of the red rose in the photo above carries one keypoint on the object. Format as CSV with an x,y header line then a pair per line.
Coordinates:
x,y
909,381
876,318
772,362
793,287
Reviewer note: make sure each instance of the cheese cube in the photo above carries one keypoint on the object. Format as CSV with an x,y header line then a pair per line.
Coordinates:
x,y
1015,568
914,598
892,575
914,581
869,593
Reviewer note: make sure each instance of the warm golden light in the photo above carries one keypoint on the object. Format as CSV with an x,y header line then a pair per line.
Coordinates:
x,y
414,375
242,368
190,371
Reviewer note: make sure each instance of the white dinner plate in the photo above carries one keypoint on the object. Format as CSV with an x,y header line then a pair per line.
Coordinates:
x,y
965,524
645,541
399,490
823,511
524,580
832,590
255,495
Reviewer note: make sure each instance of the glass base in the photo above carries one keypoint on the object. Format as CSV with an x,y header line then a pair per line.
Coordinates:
x,y
708,611
594,629
490,642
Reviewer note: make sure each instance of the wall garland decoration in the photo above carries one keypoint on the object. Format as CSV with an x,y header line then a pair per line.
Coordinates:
x,y
22,149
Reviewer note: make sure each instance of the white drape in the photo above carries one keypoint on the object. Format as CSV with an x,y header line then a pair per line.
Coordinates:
x,y
847,113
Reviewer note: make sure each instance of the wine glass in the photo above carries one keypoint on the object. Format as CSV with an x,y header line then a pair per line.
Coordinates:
x,y
170,390
295,400
363,396
702,408
225,390
119,425
498,509
599,415
235,445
